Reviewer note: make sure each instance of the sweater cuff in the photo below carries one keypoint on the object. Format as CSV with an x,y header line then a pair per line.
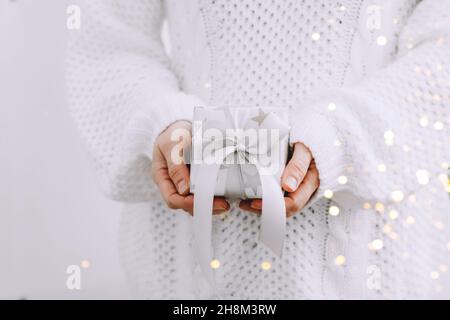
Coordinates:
x,y
319,134
159,110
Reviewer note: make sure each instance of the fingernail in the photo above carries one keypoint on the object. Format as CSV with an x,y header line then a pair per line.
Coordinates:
x,y
256,205
220,210
182,187
292,183
220,207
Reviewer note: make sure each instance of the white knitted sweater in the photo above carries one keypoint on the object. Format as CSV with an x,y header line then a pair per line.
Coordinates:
x,y
367,84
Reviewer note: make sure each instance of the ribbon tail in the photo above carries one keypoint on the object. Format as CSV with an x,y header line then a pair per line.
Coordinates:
x,y
205,182
273,218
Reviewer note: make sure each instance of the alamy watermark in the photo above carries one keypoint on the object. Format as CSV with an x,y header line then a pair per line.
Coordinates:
x,y
74,272
73,21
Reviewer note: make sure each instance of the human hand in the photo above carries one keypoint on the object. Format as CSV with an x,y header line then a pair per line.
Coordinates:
x,y
300,180
170,172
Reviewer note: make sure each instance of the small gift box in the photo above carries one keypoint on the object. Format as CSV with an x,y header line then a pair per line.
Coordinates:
x,y
238,153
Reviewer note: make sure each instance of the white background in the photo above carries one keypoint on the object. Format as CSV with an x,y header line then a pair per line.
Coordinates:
x,y
52,214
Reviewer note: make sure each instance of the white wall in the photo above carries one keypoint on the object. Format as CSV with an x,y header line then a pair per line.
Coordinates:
x,y
51,212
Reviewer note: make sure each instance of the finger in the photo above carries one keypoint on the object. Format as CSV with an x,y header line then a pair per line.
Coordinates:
x,y
220,205
186,203
174,155
159,165
256,204
161,177
179,174
160,170
171,196
246,206
296,169
298,199
219,212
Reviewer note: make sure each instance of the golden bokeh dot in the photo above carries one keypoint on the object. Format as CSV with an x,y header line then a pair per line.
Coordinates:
x,y
439,225
443,268
266,265
393,214
376,245
382,167
423,176
387,228
438,126
339,260
424,122
379,207
315,36
398,195
393,235
85,264
367,205
437,98
434,275
332,106
381,40
334,211
410,220
389,137
215,264
443,178
328,194
342,180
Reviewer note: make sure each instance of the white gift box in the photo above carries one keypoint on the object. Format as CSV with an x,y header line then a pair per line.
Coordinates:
x,y
238,153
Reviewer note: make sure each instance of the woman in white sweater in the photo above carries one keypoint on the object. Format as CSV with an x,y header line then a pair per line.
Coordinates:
x,y
367,86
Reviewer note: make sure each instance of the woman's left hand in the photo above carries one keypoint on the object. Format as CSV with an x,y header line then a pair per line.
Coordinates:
x,y
300,180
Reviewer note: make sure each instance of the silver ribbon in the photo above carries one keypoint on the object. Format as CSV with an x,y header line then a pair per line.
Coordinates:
x,y
273,219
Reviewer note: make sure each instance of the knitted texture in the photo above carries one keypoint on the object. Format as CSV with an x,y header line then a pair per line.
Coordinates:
x,y
371,100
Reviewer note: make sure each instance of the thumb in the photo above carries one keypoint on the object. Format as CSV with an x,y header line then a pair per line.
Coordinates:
x,y
296,169
176,165
179,174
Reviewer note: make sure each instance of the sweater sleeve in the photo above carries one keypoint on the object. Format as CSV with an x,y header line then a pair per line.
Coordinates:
x,y
387,136
122,93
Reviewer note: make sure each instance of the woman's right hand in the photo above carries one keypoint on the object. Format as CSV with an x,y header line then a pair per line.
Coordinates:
x,y
170,172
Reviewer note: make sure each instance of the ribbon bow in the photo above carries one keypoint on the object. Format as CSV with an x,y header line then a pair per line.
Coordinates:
x,y
233,148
